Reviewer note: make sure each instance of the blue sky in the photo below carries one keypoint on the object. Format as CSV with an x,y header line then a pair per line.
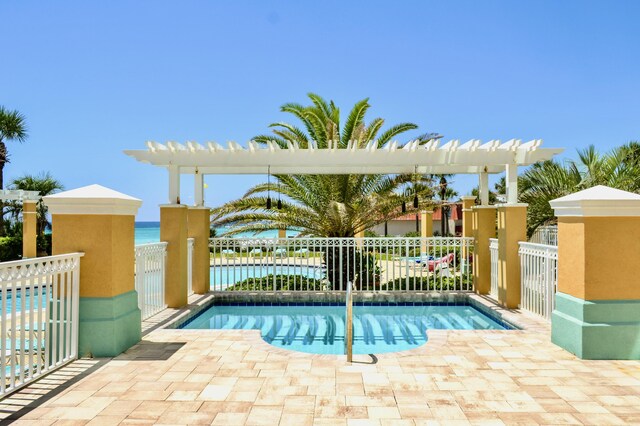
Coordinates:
x,y
95,78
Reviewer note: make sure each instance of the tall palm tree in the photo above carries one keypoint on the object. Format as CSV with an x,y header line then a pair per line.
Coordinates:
x,y
45,184
12,127
322,205
548,180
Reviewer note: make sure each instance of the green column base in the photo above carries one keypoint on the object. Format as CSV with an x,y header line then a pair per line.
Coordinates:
x,y
602,329
109,325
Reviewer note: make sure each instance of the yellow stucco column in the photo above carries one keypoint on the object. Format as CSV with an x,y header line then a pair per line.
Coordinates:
x,y
173,230
484,226
597,303
198,225
512,228
426,228
29,229
468,201
282,233
100,223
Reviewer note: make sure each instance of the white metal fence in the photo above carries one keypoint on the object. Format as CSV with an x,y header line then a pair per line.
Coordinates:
x,y
190,245
39,317
545,235
323,264
493,254
150,270
539,278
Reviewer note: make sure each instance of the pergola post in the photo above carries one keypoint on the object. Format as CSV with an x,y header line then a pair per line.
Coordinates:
x,y
174,230
29,229
198,189
100,223
198,222
282,233
483,188
484,228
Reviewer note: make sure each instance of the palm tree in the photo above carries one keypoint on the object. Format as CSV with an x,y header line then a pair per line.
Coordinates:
x,y
548,180
322,205
12,127
45,184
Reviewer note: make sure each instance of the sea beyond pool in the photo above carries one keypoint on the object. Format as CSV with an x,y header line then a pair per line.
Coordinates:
x,y
149,232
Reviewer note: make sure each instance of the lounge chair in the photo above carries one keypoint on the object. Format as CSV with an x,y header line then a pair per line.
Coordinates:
x,y
439,264
280,252
256,252
228,253
303,252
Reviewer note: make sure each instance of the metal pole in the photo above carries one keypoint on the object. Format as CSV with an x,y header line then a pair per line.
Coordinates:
x,y
348,331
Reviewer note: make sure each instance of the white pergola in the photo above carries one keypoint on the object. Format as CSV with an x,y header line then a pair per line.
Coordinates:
x,y
453,157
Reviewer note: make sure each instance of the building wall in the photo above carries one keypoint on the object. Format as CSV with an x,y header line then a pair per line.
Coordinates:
x,y
402,227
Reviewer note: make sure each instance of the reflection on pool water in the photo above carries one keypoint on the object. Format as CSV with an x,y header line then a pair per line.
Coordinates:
x,y
226,275
321,329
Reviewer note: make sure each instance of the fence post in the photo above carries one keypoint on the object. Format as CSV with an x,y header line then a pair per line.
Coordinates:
x,y
512,228
597,314
100,222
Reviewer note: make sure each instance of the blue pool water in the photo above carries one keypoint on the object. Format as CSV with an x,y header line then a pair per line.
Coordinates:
x,y
321,329
14,301
223,276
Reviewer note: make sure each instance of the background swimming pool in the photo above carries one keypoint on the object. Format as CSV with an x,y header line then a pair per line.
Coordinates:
x,y
223,276
321,329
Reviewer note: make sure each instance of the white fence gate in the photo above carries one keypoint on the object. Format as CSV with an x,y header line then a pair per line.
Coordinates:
x,y
39,301
493,254
539,278
150,269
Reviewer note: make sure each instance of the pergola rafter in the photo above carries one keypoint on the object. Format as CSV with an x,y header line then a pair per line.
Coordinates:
x,y
453,157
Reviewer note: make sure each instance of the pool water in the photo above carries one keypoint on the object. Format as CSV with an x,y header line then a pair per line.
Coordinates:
x,y
321,329
13,300
224,276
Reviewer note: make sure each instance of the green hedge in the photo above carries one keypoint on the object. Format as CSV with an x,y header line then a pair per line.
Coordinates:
x,y
430,283
10,248
282,283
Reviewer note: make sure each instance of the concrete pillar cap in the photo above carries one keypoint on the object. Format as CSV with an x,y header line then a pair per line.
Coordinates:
x,y
468,197
598,201
92,199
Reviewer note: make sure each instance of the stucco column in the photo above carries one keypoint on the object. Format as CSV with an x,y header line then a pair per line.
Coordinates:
x,y
597,312
282,233
512,228
484,226
100,222
173,230
29,229
468,201
198,225
426,228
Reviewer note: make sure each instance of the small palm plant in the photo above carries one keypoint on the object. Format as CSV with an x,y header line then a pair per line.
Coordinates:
x,y
45,184
12,128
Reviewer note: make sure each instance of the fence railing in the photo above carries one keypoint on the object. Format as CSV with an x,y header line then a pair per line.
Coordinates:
x,y
545,235
39,317
493,255
190,245
539,278
324,264
150,269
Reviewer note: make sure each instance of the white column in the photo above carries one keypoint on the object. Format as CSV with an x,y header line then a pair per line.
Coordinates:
x,y
483,188
198,189
512,183
174,184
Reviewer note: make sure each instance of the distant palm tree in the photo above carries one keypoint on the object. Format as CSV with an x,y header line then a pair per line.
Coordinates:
x,y
12,127
548,180
444,195
45,184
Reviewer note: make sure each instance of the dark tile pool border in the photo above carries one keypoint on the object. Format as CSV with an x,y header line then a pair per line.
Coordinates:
x,y
337,299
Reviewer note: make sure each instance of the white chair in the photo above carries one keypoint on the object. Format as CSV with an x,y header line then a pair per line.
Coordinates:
x,y
303,252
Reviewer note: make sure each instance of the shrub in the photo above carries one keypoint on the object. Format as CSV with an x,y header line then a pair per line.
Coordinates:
x,y
10,248
44,245
282,283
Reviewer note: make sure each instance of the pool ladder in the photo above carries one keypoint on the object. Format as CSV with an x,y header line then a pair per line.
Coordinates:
x,y
348,326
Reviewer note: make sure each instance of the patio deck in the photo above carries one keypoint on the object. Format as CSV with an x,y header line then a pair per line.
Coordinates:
x,y
234,377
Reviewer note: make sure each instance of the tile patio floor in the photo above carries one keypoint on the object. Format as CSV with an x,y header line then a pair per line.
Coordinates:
x,y
457,378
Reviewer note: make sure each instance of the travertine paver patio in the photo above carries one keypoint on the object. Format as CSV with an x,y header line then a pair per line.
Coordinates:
x,y
458,377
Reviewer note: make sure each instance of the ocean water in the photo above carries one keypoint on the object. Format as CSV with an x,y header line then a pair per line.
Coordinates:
x,y
149,232
321,329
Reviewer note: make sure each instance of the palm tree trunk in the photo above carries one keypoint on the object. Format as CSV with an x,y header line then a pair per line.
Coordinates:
x,y
340,262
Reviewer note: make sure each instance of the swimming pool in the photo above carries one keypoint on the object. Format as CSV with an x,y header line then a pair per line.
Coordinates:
x,y
222,276
321,329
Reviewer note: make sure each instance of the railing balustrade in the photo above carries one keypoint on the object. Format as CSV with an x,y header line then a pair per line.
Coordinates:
x,y
539,278
190,245
545,235
493,255
39,318
326,264
150,270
